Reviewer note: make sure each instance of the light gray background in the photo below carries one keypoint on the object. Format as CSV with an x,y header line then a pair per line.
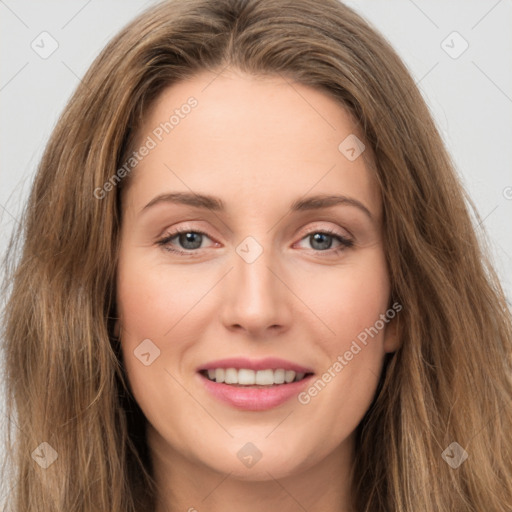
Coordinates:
x,y
469,96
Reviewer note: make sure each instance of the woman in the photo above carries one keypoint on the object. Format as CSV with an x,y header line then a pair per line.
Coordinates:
x,y
175,337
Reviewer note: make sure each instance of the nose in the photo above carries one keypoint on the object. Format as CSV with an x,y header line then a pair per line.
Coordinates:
x,y
256,296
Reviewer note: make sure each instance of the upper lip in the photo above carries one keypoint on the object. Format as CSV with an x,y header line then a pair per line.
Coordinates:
x,y
238,363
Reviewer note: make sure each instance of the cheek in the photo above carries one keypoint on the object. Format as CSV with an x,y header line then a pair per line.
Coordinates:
x,y
153,304
349,300
152,299
352,306
146,306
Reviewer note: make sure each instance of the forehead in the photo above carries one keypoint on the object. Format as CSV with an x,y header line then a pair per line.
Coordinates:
x,y
251,139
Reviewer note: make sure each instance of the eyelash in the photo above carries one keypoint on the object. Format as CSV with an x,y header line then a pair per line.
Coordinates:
x,y
165,242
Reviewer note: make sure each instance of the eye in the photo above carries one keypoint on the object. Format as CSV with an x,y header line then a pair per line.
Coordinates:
x,y
189,240
321,241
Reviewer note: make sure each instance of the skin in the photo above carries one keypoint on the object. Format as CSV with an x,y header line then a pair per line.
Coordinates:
x,y
257,143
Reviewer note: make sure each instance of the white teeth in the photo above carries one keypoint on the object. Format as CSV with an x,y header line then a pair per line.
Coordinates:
x,y
279,376
265,377
231,376
246,377
289,375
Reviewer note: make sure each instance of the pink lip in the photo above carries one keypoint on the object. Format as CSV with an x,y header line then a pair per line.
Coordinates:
x,y
254,398
272,363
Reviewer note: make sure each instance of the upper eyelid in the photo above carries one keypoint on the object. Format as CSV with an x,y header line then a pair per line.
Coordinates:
x,y
186,229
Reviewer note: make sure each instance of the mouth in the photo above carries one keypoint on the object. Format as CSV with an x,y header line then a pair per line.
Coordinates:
x,y
245,377
254,385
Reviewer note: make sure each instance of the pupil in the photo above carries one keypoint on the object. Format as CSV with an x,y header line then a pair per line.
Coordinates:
x,y
187,240
318,237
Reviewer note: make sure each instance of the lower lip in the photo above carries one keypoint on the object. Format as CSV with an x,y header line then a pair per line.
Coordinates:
x,y
251,398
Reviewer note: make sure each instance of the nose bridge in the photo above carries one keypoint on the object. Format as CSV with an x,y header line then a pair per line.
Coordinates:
x,y
256,297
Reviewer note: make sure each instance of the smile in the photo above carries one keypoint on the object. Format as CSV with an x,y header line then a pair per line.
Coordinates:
x,y
254,385
247,377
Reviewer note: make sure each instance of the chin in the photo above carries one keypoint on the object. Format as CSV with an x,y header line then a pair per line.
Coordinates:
x,y
259,461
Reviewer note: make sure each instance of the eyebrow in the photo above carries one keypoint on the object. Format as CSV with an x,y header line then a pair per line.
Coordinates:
x,y
316,202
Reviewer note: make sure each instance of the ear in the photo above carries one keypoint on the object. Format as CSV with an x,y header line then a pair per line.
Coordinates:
x,y
392,340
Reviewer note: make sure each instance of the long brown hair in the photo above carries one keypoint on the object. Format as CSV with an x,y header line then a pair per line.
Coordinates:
x,y
450,381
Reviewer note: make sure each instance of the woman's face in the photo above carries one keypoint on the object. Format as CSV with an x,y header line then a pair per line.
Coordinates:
x,y
278,278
